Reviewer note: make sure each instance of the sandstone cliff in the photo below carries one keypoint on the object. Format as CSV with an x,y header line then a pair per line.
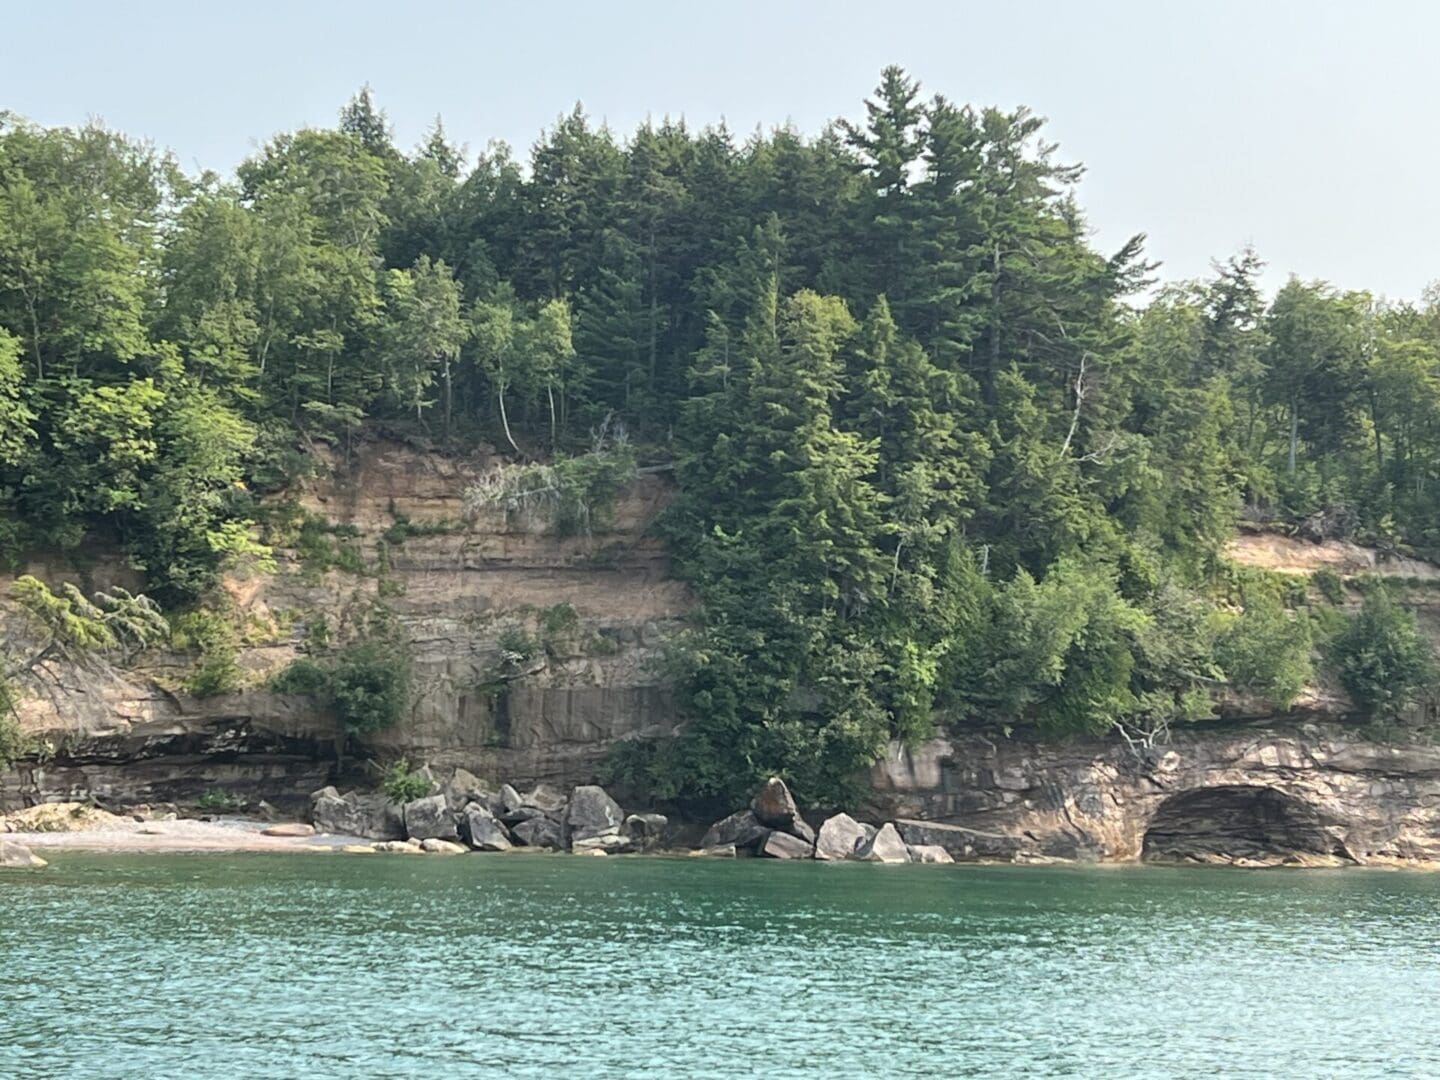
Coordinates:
x,y
1305,786
131,733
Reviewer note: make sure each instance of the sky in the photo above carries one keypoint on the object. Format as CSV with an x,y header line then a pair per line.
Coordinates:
x,y
1305,128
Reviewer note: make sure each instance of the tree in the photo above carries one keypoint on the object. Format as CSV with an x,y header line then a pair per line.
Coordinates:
x,y
1381,658
425,330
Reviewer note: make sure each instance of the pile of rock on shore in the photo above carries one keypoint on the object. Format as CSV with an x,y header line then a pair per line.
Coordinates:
x,y
771,826
465,815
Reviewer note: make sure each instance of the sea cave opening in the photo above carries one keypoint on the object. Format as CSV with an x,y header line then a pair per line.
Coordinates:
x,y
1236,822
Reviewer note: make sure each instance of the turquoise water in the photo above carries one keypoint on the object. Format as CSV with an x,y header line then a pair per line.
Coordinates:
x,y
285,966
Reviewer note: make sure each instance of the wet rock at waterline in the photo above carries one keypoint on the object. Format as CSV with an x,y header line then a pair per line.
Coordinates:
x,y
929,853
15,856
884,847
606,843
839,836
719,851
741,829
781,845
484,832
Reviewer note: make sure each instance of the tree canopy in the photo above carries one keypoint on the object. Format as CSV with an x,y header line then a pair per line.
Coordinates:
x,y
936,454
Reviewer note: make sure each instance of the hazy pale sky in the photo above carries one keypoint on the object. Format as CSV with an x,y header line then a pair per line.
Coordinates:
x,y
1304,127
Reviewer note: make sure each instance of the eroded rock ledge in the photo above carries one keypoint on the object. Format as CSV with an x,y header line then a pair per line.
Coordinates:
x,y
1312,794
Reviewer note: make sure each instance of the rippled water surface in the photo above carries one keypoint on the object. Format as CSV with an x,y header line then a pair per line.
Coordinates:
x,y
288,966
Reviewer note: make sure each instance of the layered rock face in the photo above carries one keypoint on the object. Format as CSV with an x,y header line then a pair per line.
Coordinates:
x,y
603,604
1309,794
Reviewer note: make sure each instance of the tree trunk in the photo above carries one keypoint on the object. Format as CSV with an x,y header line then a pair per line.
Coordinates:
x,y
1295,429
505,421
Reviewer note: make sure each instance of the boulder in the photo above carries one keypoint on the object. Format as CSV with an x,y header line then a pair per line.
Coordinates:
x,y
539,832
484,831
884,847
509,799
648,831
372,816
928,853
15,856
441,847
741,829
774,807
782,845
430,818
290,828
839,837
960,842
465,787
521,813
605,844
592,813
545,799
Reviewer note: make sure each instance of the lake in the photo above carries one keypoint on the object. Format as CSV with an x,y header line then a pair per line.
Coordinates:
x,y
300,966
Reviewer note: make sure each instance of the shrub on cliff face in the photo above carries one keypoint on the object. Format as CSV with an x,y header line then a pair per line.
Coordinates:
x,y
366,683
1381,658
1267,650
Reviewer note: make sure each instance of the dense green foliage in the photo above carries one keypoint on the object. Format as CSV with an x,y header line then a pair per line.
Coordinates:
x,y
936,456
365,681
1381,659
402,784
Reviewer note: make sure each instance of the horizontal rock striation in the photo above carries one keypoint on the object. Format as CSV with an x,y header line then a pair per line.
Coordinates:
x,y
132,734
1313,793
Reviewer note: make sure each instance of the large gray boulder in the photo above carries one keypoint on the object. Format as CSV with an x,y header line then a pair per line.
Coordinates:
x,y
539,832
960,842
606,843
741,829
15,856
774,807
884,847
372,816
839,837
545,799
648,831
519,814
430,818
782,845
509,799
483,831
592,812
463,788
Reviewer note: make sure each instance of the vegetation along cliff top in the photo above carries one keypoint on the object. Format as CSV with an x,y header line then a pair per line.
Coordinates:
x,y
936,460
